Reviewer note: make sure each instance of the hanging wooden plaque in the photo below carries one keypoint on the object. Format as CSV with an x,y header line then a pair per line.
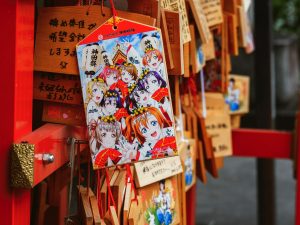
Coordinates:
x,y
200,20
149,172
161,202
124,125
213,11
59,29
57,88
173,23
237,95
179,6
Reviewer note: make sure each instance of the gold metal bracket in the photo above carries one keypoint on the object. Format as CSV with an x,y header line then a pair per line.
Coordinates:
x,y
22,158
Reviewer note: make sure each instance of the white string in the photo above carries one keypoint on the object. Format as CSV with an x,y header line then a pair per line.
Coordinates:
x,y
180,120
204,113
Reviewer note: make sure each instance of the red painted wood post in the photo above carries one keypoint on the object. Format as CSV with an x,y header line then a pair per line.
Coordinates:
x,y
17,36
297,160
191,197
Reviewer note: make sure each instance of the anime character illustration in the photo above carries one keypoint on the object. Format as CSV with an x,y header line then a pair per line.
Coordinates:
x,y
160,203
138,97
163,205
129,75
153,132
104,145
110,75
126,93
95,90
188,163
149,91
91,59
134,57
109,146
233,95
153,83
111,105
153,60
149,41
237,96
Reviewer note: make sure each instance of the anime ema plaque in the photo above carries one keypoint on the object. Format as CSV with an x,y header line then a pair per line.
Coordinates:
x,y
126,94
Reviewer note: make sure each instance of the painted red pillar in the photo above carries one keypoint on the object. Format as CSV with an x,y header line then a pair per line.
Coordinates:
x,y
17,37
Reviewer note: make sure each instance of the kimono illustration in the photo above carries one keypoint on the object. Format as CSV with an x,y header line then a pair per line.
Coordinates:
x,y
153,132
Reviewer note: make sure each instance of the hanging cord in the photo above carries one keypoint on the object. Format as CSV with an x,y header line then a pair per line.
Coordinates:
x,y
110,196
88,9
102,5
114,12
71,165
203,94
129,179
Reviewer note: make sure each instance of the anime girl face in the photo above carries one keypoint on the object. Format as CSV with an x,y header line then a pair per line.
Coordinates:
x,y
111,102
152,129
97,94
142,97
128,72
108,139
126,76
152,59
95,91
146,125
152,82
110,105
107,134
111,79
110,75
162,185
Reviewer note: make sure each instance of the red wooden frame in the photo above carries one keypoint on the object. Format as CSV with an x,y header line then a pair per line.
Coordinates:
x,y
262,143
16,99
16,117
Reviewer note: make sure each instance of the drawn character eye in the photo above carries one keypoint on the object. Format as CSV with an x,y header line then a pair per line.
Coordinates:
x,y
153,123
131,59
154,81
94,90
144,130
103,135
154,57
113,135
